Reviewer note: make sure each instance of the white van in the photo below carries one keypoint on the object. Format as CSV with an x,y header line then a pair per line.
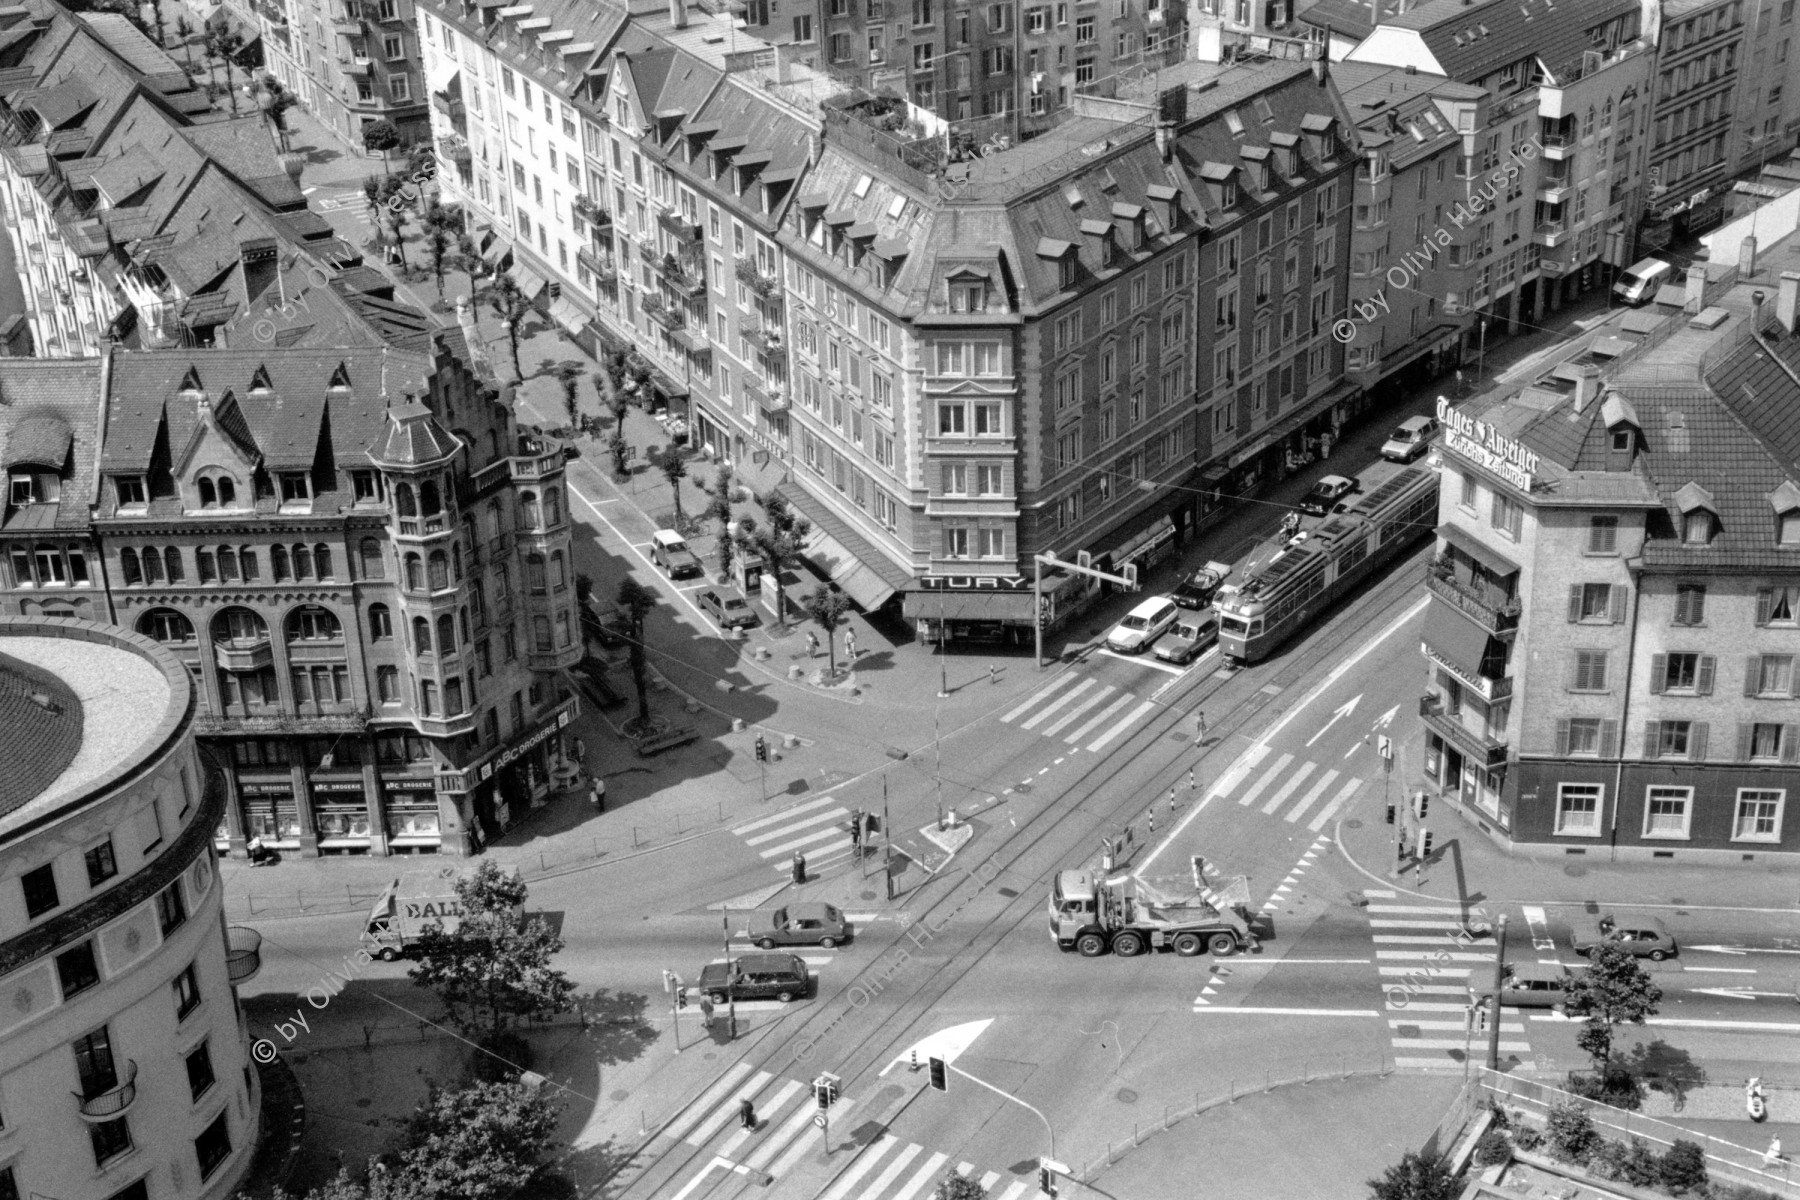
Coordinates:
x,y
1640,284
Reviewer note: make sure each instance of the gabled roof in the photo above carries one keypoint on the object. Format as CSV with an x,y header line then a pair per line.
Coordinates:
x,y
1474,38
50,410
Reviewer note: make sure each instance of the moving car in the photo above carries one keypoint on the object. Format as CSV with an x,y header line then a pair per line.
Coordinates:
x,y
1197,590
1640,284
1410,440
1646,937
799,925
670,553
1325,493
1143,625
1191,633
1527,985
782,977
728,609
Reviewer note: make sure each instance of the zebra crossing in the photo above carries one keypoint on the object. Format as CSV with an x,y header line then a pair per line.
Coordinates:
x,y
1290,783
1080,710
818,829
889,1168
1426,959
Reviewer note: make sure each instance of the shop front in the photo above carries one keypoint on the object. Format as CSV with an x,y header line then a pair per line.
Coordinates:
x,y
270,811
519,777
410,803
341,814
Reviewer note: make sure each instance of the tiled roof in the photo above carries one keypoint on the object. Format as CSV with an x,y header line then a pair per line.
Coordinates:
x,y
245,150
68,391
1353,19
413,437
1474,38
1766,397
42,717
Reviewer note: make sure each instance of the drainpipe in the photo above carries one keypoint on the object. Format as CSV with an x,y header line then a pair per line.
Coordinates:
x,y
1625,706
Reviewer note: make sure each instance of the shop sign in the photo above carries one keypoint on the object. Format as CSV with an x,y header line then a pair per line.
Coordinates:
x,y
266,789
514,751
1482,444
1145,542
409,785
332,785
1251,451
965,583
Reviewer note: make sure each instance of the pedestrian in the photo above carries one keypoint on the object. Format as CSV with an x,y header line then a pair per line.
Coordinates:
x,y
812,644
706,1011
993,674
856,830
799,867
1772,1157
850,644
747,1113
597,793
1200,726
1325,445
580,748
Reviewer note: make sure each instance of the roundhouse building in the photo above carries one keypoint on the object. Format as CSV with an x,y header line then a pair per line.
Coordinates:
x,y
124,1064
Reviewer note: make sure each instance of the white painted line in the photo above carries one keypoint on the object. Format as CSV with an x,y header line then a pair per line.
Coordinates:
x,y
988,1181
1723,970
1312,795
1429,1006
1100,743
1460,1044
1144,659
1074,714
1415,939
1428,1064
1379,893
727,1110
1325,814
807,1141
1265,779
921,1178
912,1151
870,1157
1459,1026
691,1116
765,1113
1299,1012
1424,955
785,815
1124,699
1446,927
862,918
1234,774
1446,972
1013,1192
776,1140
1289,788
1426,909
1432,989
1344,668
1056,704
1058,682
1304,962
1685,1023
801,822
697,1180
793,844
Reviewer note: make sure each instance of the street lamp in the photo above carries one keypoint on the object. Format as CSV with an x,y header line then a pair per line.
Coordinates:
x,y
943,665
1493,1055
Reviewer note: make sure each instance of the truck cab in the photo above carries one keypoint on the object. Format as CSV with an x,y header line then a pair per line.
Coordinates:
x,y
1071,906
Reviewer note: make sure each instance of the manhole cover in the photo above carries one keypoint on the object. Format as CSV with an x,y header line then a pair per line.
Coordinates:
x,y
620,1094
1126,1096
1009,893
1353,823
869,895
1406,1031
1677,900
1574,872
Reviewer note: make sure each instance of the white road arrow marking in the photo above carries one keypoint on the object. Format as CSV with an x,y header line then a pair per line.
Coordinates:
x,y
945,1044
1384,720
1539,924
1741,993
1744,950
1343,710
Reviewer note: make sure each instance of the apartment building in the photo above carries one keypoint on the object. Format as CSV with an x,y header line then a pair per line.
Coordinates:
x,y
1701,53
351,62
123,1054
1609,647
1767,105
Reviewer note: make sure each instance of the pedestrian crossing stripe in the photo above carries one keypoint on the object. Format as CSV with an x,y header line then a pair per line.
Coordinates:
x,y
1435,972
1403,939
1461,1043
1076,714
684,1124
1417,1023
1433,955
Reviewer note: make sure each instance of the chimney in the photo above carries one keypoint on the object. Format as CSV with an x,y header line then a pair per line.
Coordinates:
x,y
1747,257
1787,300
203,409
1696,288
678,13
1587,386
1165,139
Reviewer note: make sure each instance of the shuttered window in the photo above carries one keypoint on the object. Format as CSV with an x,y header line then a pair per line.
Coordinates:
x,y
1588,672
1690,603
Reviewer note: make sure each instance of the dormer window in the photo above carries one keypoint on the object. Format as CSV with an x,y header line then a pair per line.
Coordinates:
x,y
21,491
1786,503
1287,154
1699,514
1221,183
1621,439
130,491
296,489
1697,527
216,491
1321,135
968,296
1129,219
1100,234
1256,167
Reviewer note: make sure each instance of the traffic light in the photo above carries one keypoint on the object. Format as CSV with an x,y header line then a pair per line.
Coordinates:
x,y
1390,814
1425,844
1046,1181
1421,805
1131,577
940,1075
762,749
871,823
825,1090
680,997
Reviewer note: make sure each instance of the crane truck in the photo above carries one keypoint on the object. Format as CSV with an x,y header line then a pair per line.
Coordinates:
x,y
1090,913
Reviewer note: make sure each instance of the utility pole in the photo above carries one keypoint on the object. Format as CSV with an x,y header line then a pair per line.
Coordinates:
x,y
887,840
990,1087
938,770
1128,581
1493,1054
943,636
730,986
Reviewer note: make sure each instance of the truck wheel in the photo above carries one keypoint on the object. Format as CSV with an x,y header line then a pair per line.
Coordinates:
x,y
389,954
1091,945
1128,945
1222,944
766,944
1187,944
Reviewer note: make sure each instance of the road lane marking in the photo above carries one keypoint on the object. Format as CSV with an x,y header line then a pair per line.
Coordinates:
x,y
912,1151
1446,972
1297,1012
1264,780
1289,788
684,1124
794,826
784,815
1379,893
697,1180
778,1139
1312,795
1723,970
727,1111
1040,694
1412,939
874,1154
1124,699
1100,743
1074,714
1325,814
1424,955
807,1141
1458,1044
1455,909
1061,700
1687,1023
804,840
1446,1026
1344,668
920,1179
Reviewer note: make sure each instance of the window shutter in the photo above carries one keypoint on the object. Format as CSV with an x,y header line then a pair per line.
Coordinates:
x,y
1697,741
1574,602
1765,601
1682,598
1697,604
1562,735
1790,743
1659,673
1752,671
1609,739
1575,676
1746,731
1652,735
1703,682
1617,599
1597,670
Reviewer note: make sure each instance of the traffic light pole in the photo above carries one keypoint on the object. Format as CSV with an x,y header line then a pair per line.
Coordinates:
x,y
1128,582
997,1091
1493,1054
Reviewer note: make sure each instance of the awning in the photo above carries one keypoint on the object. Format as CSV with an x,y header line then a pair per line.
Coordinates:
x,y
860,583
1455,638
497,250
867,575
565,313
529,281
443,74
1497,564
980,604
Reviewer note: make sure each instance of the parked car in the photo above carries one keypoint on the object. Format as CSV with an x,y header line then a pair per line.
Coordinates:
x,y
1197,590
1325,493
1143,625
670,553
1527,985
1646,937
799,925
728,609
782,977
1412,439
1640,283
1191,633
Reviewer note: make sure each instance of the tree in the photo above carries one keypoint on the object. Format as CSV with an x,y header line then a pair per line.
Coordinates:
x,y
827,606
441,229
379,137
674,466
1570,1131
718,508
1683,1167
1414,1177
637,601
1612,991
509,304
568,376
607,386
494,970
184,29
485,1141
957,1187
779,544
228,44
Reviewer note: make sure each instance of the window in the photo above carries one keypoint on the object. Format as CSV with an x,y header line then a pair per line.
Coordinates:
x,y
1601,602
1690,603
77,970
1673,739
1763,740
1697,527
1787,528
1589,671
956,541
1507,515
387,684
1578,808
1469,489
953,419
40,890
1775,606
1758,816
1770,674
171,910
101,866
381,623
111,1139
213,1147
1666,811
1682,672
199,1071
130,491
1603,535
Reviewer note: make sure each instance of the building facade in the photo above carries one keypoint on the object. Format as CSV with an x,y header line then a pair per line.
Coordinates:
x,y
351,62
1767,107
125,1064
1701,54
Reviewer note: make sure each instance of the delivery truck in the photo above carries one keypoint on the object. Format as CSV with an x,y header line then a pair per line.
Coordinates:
x,y
412,902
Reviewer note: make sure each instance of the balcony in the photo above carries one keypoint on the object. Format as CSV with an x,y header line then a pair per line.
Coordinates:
x,y
754,279
243,656
663,313
1499,617
601,268
243,953
1553,189
1550,233
455,148
347,27
774,397
112,1103
762,333
357,65
683,277
680,228
1558,146
1484,750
